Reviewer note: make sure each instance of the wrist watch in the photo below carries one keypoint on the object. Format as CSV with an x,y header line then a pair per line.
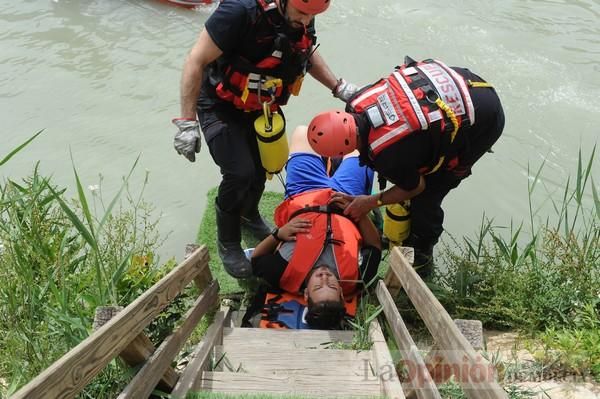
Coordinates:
x,y
274,234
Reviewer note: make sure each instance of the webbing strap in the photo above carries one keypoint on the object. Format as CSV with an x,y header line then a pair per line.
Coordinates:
x,y
479,84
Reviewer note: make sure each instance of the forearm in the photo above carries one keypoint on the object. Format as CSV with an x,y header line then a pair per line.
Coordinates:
x,y
191,80
369,232
395,194
203,53
266,246
321,72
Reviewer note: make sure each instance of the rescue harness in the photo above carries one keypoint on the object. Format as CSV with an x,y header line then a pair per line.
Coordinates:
x,y
418,97
248,85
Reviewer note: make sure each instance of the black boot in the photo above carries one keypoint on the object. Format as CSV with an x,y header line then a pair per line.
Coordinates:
x,y
252,222
423,263
228,245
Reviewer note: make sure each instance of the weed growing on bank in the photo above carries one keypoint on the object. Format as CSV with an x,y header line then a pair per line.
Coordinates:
x,y
542,278
60,258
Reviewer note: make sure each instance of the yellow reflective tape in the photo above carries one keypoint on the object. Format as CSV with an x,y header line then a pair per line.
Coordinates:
x,y
479,84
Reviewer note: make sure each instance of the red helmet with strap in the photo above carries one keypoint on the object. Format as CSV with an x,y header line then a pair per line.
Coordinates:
x,y
332,133
310,6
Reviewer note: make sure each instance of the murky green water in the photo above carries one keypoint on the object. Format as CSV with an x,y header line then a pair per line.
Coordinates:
x,y
102,78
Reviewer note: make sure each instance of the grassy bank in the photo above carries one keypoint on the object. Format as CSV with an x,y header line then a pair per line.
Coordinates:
x,y
61,257
541,277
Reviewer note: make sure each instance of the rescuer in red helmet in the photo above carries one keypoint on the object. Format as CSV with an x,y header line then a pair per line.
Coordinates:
x,y
251,56
421,128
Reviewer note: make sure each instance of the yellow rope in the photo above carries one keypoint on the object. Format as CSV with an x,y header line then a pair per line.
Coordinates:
x,y
444,107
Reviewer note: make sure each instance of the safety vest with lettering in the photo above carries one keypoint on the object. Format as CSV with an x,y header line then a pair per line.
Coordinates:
x,y
277,75
416,97
327,228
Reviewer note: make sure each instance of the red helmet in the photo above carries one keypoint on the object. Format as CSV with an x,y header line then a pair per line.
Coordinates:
x,y
311,7
332,133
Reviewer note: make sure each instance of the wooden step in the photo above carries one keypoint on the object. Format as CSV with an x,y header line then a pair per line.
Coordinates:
x,y
282,338
265,360
325,386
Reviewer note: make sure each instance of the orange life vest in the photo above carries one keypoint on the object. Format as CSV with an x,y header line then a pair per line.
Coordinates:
x,y
326,229
415,97
278,75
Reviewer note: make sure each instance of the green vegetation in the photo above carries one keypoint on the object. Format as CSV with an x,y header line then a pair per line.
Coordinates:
x,y
542,279
59,260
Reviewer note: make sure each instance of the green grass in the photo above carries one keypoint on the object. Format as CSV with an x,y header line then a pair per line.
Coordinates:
x,y
207,235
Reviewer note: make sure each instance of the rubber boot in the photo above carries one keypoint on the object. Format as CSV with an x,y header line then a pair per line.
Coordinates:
x,y
252,222
228,245
423,263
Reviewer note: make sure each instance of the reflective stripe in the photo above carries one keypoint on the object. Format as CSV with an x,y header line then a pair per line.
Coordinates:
x,y
413,100
368,93
388,136
464,89
409,71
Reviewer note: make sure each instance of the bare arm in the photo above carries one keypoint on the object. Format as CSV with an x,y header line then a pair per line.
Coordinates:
x,y
286,233
395,194
362,204
321,72
369,232
203,53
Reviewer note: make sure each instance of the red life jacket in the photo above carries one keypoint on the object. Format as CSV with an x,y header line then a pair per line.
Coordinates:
x,y
416,97
278,75
344,237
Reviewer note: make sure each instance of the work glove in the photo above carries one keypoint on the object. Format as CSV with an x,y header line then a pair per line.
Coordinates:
x,y
344,90
187,140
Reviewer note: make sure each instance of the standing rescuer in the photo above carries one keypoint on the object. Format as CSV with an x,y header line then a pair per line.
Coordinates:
x,y
421,128
250,57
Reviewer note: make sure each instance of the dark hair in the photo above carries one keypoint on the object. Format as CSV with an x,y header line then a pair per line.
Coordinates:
x,y
325,315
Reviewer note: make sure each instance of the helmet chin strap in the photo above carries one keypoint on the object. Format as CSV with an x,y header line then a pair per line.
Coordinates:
x,y
283,5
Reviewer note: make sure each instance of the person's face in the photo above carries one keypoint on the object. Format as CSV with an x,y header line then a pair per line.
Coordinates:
x,y
296,18
322,285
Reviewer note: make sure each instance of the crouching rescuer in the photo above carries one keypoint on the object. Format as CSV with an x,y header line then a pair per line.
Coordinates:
x,y
422,128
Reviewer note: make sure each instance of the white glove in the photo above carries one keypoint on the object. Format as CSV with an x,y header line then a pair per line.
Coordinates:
x,y
187,141
344,90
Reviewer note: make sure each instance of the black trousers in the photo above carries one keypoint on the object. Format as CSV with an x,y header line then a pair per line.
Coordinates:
x,y
427,215
230,137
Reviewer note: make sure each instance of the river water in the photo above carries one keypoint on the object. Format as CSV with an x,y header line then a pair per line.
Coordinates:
x,y
101,77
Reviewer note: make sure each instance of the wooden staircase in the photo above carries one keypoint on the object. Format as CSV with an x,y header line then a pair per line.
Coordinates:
x,y
291,362
307,363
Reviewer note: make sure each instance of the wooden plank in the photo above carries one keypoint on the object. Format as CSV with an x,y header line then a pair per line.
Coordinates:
x,y
477,377
419,378
264,360
72,372
391,282
472,331
300,385
138,350
142,385
266,337
202,279
385,367
199,360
